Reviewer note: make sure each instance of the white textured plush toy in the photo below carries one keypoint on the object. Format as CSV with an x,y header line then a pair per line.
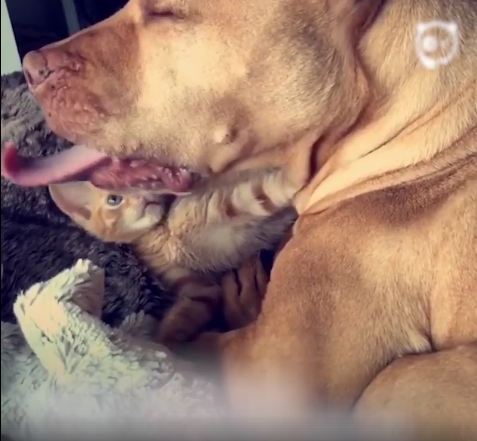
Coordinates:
x,y
64,371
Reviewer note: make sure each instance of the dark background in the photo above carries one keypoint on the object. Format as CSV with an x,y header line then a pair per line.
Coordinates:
x,y
39,22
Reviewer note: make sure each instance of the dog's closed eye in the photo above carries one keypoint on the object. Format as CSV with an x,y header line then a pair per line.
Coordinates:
x,y
161,13
162,10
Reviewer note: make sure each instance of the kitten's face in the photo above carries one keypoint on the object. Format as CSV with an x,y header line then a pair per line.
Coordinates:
x,y
110,217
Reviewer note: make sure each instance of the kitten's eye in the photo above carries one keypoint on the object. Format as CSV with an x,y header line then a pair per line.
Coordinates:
x,y
114,200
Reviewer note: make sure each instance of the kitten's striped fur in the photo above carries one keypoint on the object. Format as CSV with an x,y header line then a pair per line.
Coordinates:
x,y
191,241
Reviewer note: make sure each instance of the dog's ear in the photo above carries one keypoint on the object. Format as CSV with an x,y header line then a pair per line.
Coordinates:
x,y
74,199
353,17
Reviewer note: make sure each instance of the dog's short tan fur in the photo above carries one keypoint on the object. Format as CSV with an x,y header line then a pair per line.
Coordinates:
x,y
446,377
382,260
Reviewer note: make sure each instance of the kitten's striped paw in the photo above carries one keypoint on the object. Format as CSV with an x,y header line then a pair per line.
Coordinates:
x,y
243,293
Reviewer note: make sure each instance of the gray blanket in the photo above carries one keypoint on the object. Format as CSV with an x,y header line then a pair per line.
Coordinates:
x,y
38,241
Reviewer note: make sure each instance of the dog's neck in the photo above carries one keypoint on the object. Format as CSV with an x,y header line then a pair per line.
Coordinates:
x,y
433,140
419,120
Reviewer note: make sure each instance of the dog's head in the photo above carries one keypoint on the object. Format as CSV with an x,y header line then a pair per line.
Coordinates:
x,y
202,84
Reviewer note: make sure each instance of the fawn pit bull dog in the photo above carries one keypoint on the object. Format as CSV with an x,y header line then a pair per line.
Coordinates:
x,y
372,303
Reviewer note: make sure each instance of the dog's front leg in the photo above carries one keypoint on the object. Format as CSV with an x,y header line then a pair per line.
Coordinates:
x,y
237,352
324,331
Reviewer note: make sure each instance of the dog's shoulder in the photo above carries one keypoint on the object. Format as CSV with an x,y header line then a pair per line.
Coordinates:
x,y
432,199
406,229
429,200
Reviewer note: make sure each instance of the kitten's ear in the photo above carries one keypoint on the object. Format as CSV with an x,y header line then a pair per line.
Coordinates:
x,y
75,199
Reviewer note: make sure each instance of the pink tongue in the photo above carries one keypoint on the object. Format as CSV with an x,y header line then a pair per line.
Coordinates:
x,y
71,164
83,163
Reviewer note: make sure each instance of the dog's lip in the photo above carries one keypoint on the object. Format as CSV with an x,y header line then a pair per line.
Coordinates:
x,y
138,174
85,163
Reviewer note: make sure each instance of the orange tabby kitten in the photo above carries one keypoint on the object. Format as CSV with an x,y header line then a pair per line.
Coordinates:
x,y
188,240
